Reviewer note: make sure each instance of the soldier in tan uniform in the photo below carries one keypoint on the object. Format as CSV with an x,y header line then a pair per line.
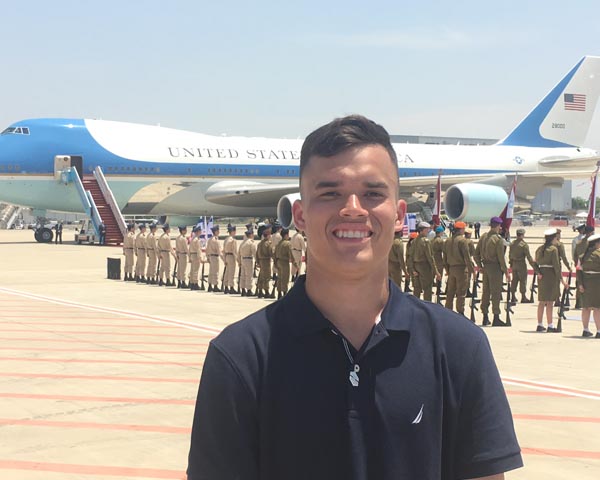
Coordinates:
x,y
140,252
181,248
459,267
423,265
153,254
230,254
489,256
549,275
580,249
589,285
166,250
409,262
518,253
298,248
283,257
396,263
128,249
437,248
264,253
195,251
213,254
246,255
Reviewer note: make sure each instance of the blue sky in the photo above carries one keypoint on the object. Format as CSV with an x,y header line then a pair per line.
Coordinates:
x,y
460,68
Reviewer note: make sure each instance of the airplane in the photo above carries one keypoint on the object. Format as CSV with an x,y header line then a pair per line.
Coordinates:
x,y
182,175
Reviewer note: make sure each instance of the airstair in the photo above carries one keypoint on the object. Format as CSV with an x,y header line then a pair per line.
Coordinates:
x,y
98,203
8,215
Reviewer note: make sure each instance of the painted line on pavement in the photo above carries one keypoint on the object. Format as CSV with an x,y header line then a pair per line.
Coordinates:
x,y
95,425
88,398
101,350
561,453
555,418
72,468
81,360
548,387
95,378
102,342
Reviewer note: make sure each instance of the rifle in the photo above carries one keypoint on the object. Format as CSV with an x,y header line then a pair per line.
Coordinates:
x,y
474,300
239,277
407,283
202,278
564,303
158,267
223,278
508,305
533,286
175,270
438,292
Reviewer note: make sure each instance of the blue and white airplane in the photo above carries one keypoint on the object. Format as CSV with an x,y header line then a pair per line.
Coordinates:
x,y
156,171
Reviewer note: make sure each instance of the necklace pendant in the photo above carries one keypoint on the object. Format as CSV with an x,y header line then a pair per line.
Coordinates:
x,y
353,377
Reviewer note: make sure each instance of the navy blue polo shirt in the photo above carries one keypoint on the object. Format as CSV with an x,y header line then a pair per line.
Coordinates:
x,y
276,402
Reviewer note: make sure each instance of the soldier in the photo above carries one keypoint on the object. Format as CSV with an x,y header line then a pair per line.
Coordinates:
x,y
275,239
517,254
437,248
489,256
195,257
153,253
128,247
213,254
580,249
459,267
246,254
181,248
562,254
396,263
423,264
230,253
589,285
283,257
409,262
468,237
140,252
298,248
549,277
580,234
166,250
264,253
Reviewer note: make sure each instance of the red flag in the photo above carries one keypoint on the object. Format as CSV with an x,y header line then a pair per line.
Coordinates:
x,y
507,213
592,211
437,206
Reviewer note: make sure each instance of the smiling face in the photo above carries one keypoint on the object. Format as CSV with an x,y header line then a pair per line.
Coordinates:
x,y
349,208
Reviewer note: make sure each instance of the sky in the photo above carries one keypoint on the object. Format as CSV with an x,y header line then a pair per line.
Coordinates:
x,y
281,69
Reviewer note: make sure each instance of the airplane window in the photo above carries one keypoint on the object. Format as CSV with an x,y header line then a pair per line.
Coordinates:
x,y
8,130
18,130
25,130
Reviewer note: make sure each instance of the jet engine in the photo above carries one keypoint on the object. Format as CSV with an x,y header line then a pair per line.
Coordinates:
x,y
474,202
175,221
284,209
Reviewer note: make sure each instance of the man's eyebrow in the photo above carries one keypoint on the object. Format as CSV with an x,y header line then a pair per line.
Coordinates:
x,y
376,185
327,184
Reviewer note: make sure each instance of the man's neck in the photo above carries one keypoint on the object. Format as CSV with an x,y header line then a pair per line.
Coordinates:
x,y
351,305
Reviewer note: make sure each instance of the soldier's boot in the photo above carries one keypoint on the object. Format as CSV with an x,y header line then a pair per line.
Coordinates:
x,y
486,320
513,298
184,285
210,287
259,293
233,291
498,323
178,283
279,295
577,304
524,299
216,289
192,286
160,282
557,303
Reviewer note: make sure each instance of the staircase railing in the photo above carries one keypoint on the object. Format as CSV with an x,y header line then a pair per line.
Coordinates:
x,y
87,201
109,197
13,217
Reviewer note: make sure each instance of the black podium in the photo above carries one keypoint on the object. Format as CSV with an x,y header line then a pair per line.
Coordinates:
x,y
113,268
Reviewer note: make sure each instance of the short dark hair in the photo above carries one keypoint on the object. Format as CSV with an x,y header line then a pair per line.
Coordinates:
x,y
342,134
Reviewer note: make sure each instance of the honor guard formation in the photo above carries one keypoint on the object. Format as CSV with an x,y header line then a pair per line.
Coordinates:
x,y
277,259
448,269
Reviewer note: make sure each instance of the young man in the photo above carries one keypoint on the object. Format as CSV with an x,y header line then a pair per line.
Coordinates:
x,y
346,377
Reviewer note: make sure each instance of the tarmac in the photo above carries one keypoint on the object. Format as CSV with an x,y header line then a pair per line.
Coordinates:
x,y
98,377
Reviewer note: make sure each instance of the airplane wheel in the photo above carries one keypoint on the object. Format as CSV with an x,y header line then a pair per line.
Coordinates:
x,y
36,235
45,235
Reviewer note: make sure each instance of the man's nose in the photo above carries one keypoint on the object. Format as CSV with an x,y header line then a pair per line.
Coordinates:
x,y
353,207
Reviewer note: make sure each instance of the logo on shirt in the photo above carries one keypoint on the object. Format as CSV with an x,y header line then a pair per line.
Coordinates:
x,y
419,416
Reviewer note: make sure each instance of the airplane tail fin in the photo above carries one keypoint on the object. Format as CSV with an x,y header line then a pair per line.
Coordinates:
x,y
564,116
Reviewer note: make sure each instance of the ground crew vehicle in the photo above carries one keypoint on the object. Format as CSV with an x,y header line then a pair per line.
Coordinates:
x,y
86,233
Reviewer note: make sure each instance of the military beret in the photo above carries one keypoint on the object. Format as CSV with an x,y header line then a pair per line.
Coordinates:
x,y
439,229
166,226
153,226
231,228
413,235
182,227
580,228
496,220
520,231
550,232
214,228
423,225
142,225
469,230
249,232
459,224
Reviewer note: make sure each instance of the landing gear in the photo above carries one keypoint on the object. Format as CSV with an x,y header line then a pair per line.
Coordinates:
x,y
43,235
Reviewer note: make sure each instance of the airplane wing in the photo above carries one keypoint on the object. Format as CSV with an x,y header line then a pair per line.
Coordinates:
x,y
249,193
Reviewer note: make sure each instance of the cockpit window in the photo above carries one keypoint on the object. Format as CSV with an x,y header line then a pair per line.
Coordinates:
x,y
16,131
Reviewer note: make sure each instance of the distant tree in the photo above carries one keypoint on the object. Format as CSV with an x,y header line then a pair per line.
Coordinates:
x,y
578,203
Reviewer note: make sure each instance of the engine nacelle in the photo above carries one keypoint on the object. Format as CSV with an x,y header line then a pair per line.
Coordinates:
x,y
474,201
284,209
175,221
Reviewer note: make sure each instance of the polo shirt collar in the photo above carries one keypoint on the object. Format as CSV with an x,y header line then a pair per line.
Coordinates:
x,y
303,317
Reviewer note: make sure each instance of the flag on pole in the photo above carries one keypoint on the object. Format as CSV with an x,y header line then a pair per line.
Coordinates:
x,y
437,206
591,222
507,213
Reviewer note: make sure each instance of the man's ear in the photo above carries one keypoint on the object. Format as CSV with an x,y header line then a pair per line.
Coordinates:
x,y
298,215
401,212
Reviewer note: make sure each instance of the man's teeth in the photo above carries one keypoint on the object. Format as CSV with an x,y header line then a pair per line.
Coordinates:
x,y
351,234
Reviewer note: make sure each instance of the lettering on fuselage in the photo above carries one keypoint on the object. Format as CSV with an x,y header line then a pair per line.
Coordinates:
x,y
232,153
559,125
405,159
